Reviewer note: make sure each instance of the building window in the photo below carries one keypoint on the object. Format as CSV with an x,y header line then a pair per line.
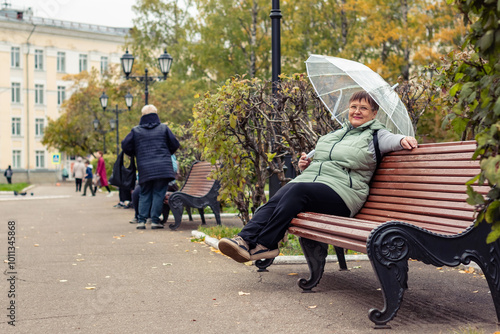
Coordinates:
x,y
40,159
16,126
15,57
39,125
61,62
16,159
104,65
83,63
38,94
61,95
39,60
16,92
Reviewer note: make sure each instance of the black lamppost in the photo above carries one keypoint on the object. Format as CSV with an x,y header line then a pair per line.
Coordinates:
x,y
103,132
275,43
164,61
274,184
114,123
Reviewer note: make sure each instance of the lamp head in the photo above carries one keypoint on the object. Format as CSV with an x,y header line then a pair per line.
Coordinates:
x,y
127,61
128,100
104,100
165,61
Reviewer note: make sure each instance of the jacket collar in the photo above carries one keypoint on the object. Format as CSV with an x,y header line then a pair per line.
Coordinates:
x,y
149,121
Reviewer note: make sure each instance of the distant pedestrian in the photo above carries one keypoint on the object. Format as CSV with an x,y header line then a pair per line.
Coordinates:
x,y
101,173
64,174
152,143
8,175
88,179
78,173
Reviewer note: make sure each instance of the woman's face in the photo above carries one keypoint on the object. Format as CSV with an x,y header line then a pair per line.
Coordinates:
x,y
360,112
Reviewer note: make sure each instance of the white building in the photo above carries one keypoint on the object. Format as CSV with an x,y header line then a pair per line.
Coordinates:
x,y
35,54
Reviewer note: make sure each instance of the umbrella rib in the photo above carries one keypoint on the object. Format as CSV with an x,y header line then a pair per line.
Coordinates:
x,y
341,89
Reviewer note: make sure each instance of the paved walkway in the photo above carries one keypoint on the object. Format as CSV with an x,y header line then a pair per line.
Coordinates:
x,y
82,268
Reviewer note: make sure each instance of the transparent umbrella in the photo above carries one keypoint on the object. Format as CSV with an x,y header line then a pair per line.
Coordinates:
x,y
336,79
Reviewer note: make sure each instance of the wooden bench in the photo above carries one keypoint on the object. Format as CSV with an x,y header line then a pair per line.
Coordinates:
x,y
416,209
197,192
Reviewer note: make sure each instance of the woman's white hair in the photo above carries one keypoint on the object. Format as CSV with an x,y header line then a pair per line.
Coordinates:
x,y
149,109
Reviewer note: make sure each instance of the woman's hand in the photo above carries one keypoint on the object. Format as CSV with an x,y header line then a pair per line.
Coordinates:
x,y
409,143
304,162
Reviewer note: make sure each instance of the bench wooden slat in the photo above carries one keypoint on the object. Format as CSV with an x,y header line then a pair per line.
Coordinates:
x,y
346,243
458,180
429,172
421,210
421,202
438,148
431,164
391,215
343,231
360,222
427,187
420,194
430,157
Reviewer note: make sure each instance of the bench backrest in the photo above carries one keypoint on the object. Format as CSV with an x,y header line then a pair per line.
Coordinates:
x,y
197,183
425,187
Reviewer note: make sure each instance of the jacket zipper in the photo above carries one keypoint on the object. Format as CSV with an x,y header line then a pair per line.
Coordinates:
x,y
330,155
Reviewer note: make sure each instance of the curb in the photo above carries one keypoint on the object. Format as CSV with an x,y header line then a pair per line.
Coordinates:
x,y
300,259
10,192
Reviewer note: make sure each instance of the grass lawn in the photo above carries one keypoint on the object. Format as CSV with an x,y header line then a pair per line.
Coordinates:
x,y
13,187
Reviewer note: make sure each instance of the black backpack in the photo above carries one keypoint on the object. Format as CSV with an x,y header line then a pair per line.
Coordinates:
x,y
123,177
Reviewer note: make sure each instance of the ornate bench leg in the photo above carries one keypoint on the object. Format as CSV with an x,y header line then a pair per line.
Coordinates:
x,y
177,207
388,252
165,212
202,216
188,210
340,257
315,253
216,210
263,264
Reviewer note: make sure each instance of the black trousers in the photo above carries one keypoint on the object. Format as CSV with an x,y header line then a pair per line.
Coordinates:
x,y
125,194
135,200
78,183
268,226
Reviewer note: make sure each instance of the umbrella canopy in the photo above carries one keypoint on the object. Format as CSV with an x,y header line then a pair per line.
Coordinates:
x,y
336,79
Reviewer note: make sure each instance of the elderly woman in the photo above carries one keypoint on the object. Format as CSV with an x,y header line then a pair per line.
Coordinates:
x,y
335,182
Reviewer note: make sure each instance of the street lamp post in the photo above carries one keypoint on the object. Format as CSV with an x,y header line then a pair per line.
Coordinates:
x,y
164,61
274,184
103,132
114,123
275,43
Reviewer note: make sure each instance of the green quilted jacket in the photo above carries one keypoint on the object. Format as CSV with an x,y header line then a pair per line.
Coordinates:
x,y
344,162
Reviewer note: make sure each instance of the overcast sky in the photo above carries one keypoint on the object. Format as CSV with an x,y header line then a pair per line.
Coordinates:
x,y
113,13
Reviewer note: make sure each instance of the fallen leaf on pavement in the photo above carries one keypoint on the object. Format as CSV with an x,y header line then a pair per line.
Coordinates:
x,y
167,264
36,245
241,293
90,287
63,280
314,306
292,274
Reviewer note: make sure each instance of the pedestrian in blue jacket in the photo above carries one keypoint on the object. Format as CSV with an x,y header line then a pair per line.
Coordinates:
x,y
152,143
